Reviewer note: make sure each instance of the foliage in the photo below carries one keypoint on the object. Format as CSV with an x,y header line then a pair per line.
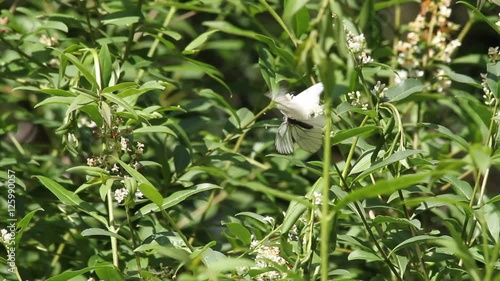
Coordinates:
x,y
138,143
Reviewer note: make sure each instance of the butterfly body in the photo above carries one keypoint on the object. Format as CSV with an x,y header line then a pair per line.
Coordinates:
x,y
303,120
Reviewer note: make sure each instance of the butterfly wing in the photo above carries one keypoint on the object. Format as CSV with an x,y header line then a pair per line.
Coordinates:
x,y
310,96
303,106
308,138
284,142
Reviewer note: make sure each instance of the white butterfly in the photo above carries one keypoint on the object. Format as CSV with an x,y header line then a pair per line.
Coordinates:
x,y
303,121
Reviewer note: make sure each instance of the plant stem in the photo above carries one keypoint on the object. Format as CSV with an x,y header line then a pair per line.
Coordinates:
x,y
111,216
325,206
351,152
156,42
177,230
280,22
134,242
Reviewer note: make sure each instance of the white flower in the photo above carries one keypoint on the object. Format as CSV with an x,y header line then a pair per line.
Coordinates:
x,y
121,194
138,195
140,147
124,144
266,257
269,220
379,90
5,236
365,58
136,165
91,162
317,199
115,168
84,121
72,139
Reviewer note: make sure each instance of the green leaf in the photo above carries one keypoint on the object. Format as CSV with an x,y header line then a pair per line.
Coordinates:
x,y
381,187
291,7
410,241
151,193
301,21
23,224
404,89
121,18
493,78
446,132
259,187
65,196
461,78
56,100
182,159
86,73
106,65
398,156
349,133
119,101
86,170
239,232
363,255
229,28
462,188
155,129
220,102
55,25
102,232
480,156
144,185
69,198
109,273
386,4
222,264
105,111
79,102
52,92
244,118
175,199
118,87
391,220
67,275
198,41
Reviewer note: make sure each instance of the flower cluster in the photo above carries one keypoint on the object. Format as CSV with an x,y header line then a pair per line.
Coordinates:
x,y
379,90
354,97
356,44
428,41
267,256
489,99
121,194
494,54
5,236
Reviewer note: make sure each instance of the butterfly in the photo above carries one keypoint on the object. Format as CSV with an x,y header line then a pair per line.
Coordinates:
x,y
303,120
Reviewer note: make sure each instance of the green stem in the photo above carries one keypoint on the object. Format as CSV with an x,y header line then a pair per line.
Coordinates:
x,y
379,248
280,22
134,241
345,172
111,217
156,42
177,230
325,206
246,125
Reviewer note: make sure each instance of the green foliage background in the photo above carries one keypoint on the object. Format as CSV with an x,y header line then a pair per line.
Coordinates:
x,y
404,190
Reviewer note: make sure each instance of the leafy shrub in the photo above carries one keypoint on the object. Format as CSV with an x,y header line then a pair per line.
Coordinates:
x,y
138,142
